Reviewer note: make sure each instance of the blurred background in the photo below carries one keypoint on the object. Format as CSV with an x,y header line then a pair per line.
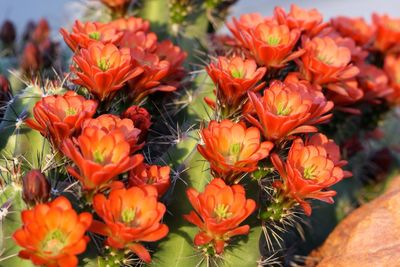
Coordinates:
x,y
62,12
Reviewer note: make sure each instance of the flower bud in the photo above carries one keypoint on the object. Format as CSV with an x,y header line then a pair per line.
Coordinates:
x,y
7,33
36,188
31,58
141,119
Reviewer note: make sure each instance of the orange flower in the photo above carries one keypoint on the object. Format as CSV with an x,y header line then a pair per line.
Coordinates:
x,y
117,6
307,174
355,28
272,45
219,211
392,69
374,83
100,156
110,123
83,34
232,149
141,119
130,216
103,69
155,175
233,78
241,28
288,108
150,81
140,39
387,35
58,117
166,50
305,20
332,150
131,24
324,61
53,234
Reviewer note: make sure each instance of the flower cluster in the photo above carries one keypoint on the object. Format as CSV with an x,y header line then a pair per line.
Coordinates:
x,y
102,147
280,87
123,54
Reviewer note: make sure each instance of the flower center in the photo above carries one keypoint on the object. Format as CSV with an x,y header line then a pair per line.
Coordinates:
x,y
94,36
324,59
98,157
273,40
233,154
54,242
221,212
70,111
103,64
283,110
236,73
309,172
128,215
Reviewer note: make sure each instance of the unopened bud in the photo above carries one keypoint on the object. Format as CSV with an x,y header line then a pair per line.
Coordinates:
x,y
7,33
36,188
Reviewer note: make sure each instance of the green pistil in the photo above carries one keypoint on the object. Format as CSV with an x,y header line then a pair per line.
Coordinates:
x,y
236,73
54,242
128,215
222,212
309,172
70,111
94,36
103,64
283,110
324,59
273,40
98,157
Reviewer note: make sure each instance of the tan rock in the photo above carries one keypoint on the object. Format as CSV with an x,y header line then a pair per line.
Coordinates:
x,y
368,237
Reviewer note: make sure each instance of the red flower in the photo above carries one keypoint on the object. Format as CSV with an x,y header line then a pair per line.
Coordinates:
x,y
241,28
219,211
131,24
140,39
233,78
166,50
130,216
387,33
84,34
53,234
272,45
58,117
355,28
99,156
288,108
155,175
392,69
307,174
305,20
232,149
103,69
374,83
324,61
141,119
150,81
110,123
332,150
